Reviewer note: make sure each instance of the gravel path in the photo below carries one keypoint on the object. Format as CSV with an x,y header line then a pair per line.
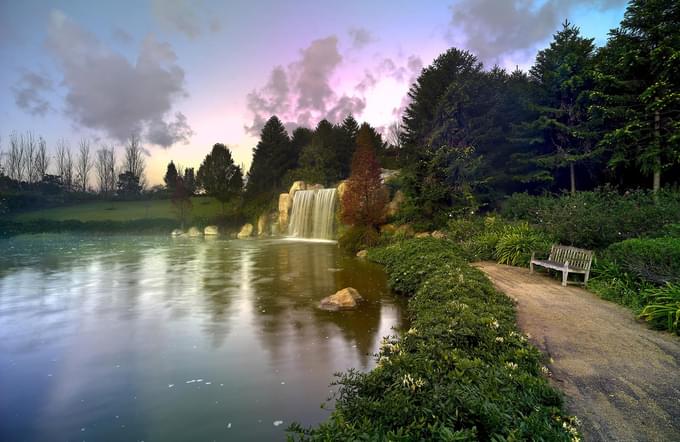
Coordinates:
x,y
621,378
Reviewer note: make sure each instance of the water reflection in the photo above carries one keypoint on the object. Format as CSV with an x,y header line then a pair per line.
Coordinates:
x,y
107,333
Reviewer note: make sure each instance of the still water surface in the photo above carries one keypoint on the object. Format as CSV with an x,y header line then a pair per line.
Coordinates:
x,y
154,338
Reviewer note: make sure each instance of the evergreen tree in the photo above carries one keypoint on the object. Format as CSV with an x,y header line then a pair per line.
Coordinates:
x,y
272,158
346,143
189,181
560,136
364,200
219,176
318,163
638,89
170,178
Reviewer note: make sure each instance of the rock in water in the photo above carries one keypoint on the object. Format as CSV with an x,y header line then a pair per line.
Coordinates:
x,y
211,230
193,231
343,299
362,254
177,232
262,225
246,231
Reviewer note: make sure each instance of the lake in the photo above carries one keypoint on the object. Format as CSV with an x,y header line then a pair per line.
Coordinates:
x,y
155,338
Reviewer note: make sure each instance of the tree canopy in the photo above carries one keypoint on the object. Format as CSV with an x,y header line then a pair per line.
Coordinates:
x,y
219,176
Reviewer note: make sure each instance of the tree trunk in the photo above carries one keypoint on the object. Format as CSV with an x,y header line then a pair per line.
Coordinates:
x,y
657,166
572,175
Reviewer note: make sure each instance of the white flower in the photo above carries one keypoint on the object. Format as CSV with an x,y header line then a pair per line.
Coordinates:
x,y
494,324
500,339
511,365
412,331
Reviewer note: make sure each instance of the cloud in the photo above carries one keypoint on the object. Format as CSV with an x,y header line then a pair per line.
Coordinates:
x,y
301,92
360,37
182,16
121,36
28,93
107,92
498,30
306,90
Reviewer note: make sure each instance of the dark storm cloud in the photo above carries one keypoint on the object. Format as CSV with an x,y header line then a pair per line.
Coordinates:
x,y
107,92
28,92
492,29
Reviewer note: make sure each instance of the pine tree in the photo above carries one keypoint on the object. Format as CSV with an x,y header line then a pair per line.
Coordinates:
x,y
189,181
637,100
560,134
346,143
318,163
219,176
364,199
272,158
170,178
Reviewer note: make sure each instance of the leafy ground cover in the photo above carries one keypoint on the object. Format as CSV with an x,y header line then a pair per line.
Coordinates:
x,y
462,371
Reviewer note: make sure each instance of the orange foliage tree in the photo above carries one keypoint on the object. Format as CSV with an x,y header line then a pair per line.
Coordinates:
x,y
364,199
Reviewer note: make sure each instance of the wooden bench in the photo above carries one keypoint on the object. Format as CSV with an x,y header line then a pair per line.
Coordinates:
x,y
567,260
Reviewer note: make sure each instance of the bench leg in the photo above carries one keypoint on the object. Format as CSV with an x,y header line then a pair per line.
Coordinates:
x,y
531,267
585,279
565,275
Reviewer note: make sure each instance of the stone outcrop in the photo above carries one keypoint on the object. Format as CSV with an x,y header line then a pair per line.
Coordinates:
x,y
193,231
211,230
343,299
284,199
405,230
246,231
363,254
177,232
341,189
262,224
423,235
394,205
389,229
297,185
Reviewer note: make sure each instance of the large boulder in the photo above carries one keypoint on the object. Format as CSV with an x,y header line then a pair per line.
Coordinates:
x,y
262,224
193,231
343,299
211,230
284,205
177,232
246,231
396,203
438,234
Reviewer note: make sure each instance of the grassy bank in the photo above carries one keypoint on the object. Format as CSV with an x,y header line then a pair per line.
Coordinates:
x,y
462,372
202,208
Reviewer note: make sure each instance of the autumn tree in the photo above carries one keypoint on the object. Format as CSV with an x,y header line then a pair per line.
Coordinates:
x,y
219,176
364,199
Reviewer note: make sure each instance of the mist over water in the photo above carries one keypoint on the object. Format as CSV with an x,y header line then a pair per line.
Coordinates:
x,y
153,338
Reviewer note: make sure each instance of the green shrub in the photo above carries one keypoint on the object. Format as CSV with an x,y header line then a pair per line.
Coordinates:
x,y
462,372
610,282
357,238
653,260
663,307
517,242
596,219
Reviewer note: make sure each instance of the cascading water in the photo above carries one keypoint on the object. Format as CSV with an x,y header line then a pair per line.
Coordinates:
x,y
313,214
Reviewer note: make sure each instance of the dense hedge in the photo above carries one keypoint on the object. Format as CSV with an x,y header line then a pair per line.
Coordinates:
x,y
462,372
596,219
654,260
10,228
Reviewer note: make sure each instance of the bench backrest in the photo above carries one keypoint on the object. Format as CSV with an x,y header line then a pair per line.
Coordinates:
x,y
578,258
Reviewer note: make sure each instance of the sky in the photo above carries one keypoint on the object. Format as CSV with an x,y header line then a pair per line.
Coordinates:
x,y
188,74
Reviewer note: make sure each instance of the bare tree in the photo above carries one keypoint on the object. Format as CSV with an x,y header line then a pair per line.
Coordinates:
x,y
83,164
135,162
42,160
105,166
30,149
64,164
15,157
394,135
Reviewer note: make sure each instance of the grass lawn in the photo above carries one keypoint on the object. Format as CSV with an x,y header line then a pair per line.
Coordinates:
x,y
203,207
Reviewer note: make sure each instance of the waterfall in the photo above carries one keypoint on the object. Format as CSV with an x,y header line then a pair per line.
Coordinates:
x,y
313,214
